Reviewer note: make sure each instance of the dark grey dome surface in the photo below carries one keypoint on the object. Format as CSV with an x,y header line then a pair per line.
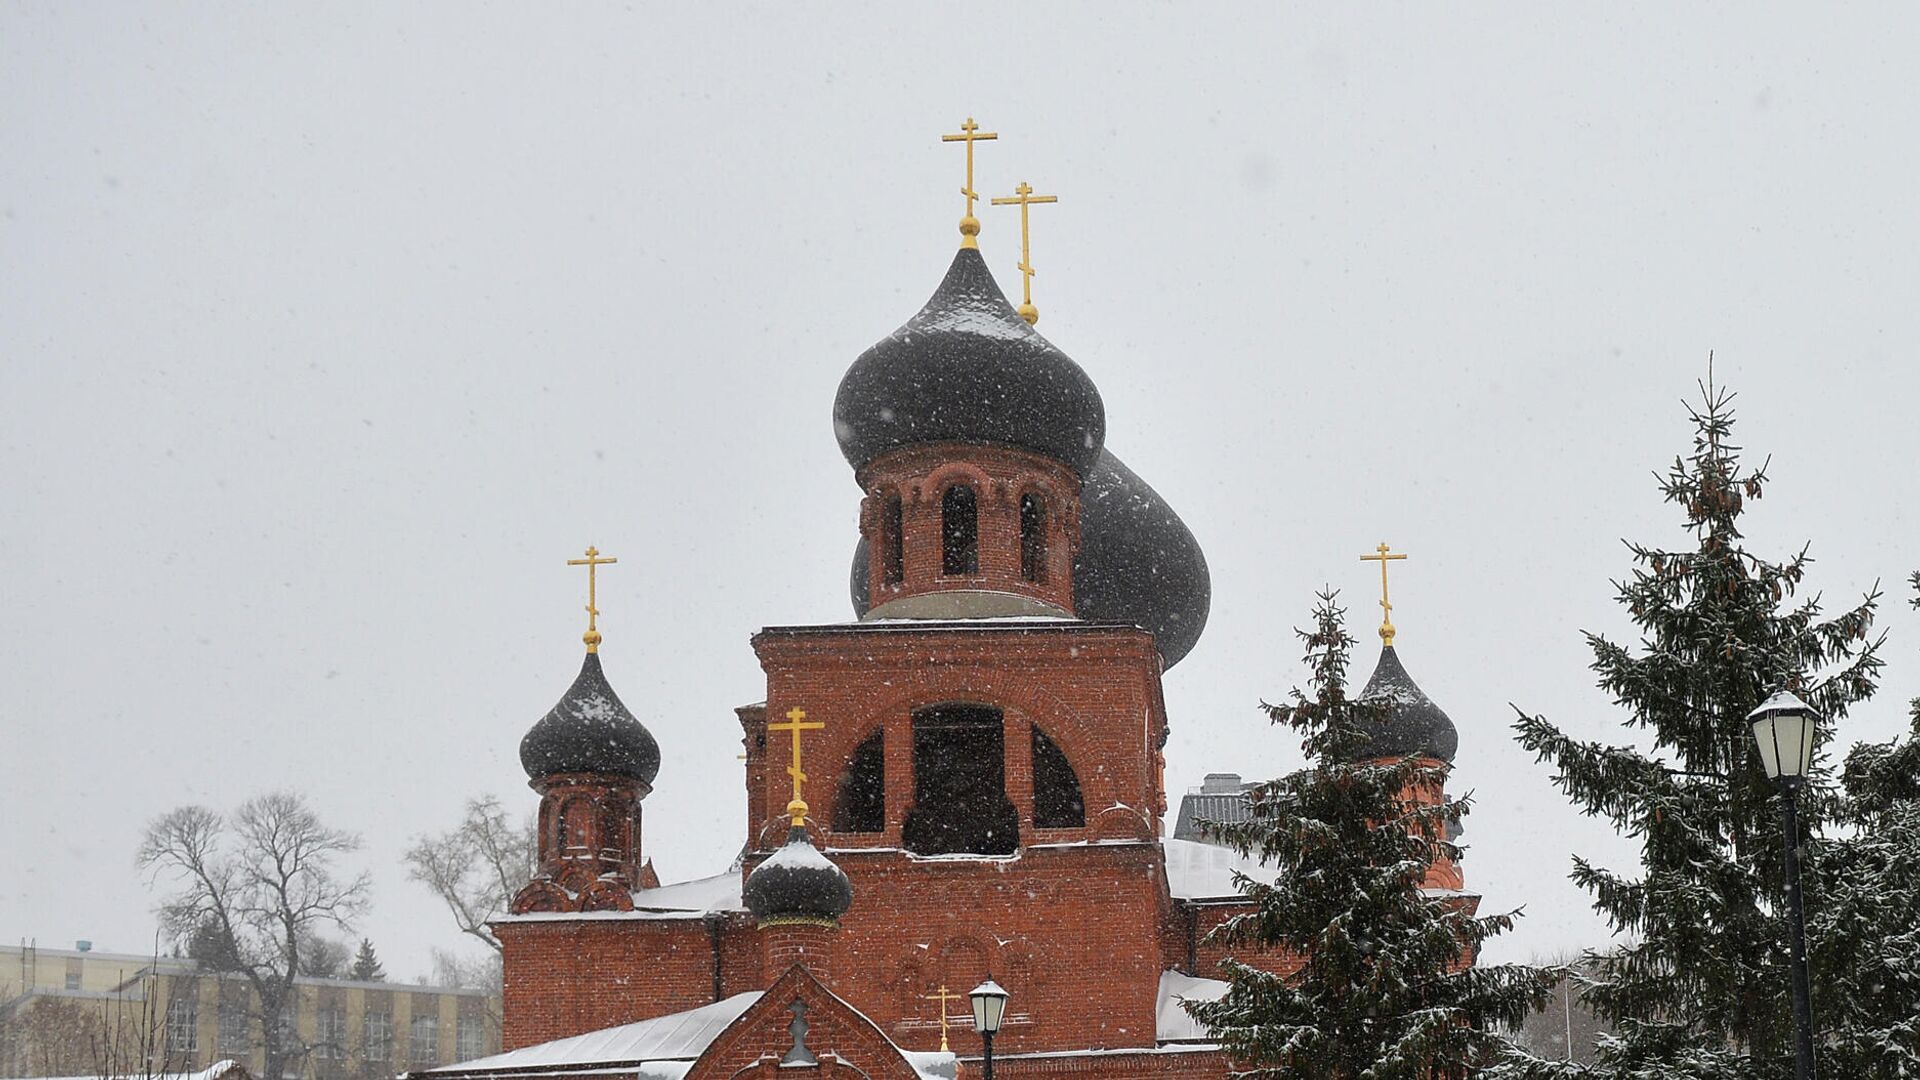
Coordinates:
x,y
1138,562
590,731
1417,725
968,369
797,881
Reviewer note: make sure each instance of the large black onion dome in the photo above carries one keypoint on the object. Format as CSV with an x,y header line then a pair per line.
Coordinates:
x,y
797,882
968,369
1138,562
590,731
1415,725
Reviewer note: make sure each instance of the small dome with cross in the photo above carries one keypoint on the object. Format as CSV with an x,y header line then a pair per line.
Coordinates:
x,y
590,731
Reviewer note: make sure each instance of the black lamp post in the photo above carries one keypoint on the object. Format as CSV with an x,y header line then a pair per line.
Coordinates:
x,y
989,1006
1783,726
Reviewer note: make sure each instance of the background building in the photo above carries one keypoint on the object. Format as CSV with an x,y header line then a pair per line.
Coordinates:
x,y
67,1012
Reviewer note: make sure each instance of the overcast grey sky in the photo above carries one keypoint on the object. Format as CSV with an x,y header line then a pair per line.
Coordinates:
x,y
328,333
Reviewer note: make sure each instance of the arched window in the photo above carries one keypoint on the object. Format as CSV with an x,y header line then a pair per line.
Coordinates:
x,y
862,803
959,531
960,802
1056,789
1033,537
576,824
893,554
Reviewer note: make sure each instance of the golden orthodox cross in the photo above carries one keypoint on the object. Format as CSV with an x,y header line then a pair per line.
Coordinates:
x,y
1024,197
970,133
797,723
943,997
1386,607
593,562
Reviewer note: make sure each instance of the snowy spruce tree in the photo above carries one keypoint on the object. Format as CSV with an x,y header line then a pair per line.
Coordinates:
x,y
1700,988
1386,988
1863,916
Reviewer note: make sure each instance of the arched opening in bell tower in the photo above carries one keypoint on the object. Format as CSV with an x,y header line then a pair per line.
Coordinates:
x,y
960,803
1033,538
861,806
959,532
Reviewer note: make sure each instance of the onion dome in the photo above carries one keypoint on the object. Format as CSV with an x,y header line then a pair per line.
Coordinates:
x,y
798,884
590,731
1415,724
969,369
1138,562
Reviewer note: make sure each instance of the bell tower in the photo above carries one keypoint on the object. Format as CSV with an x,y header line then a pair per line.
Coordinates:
x,y
987,769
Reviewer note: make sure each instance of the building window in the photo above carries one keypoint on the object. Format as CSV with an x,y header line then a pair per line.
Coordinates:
x,y
959,531
471,1038
376,1035
1033,537
959,782
1056,789
73,980
862,803
893,543
423,1039
183,1024
233,1030
330,1033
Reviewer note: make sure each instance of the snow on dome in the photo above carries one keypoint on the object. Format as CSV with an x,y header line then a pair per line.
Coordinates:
x,y
798,882
967,368
1415,724
590,731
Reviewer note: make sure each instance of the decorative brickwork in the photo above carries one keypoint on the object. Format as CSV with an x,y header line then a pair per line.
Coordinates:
x,y
589,836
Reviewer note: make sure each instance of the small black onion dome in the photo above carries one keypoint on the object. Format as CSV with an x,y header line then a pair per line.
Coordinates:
x,y
1138,562
969,369
590,731
797,882
1416,725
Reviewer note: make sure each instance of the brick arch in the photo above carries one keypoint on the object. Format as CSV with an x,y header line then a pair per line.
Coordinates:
x,y
936,483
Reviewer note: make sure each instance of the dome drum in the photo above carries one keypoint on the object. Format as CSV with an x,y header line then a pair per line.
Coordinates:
x,y
993,530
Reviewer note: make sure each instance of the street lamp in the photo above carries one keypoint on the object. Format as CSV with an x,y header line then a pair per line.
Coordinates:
x,y
989,1007
1783,727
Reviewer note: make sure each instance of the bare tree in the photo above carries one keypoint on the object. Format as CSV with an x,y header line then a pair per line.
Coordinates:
x,y
265,881
476,867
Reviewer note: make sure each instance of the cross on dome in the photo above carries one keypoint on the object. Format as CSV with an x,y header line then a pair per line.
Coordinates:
x,y
796,723
970,133
593,562
1023,197
1386,606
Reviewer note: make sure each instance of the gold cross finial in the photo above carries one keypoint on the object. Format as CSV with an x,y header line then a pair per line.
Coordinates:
x,y
1024,197
593,562
943,997
1386,607
797,723
970,133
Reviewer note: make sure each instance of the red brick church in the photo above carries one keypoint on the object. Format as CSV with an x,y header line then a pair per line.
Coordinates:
x,y
981,750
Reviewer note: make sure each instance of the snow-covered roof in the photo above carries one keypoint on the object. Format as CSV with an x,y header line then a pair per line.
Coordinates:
x,y
1197,871
721,892
211,1072
1172,1024
676,1037
663,1048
